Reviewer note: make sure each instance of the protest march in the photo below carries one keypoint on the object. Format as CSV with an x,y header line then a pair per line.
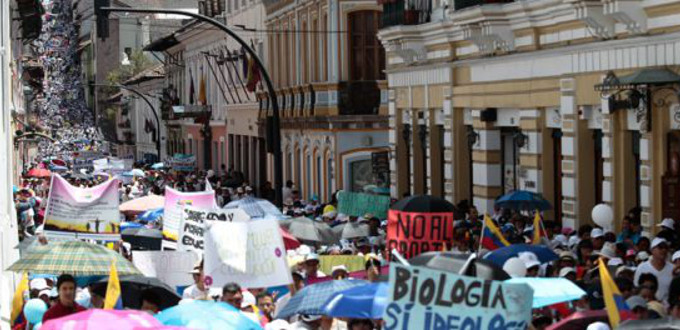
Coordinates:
x,y
171,243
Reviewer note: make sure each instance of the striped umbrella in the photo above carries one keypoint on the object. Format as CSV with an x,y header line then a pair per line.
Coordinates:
x,y
77,258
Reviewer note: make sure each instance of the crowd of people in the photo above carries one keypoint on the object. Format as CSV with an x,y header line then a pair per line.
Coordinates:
x,y
645,267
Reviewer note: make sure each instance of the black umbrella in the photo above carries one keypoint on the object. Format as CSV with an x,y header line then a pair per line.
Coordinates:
x,y
453,262
423,204
143,238
132,287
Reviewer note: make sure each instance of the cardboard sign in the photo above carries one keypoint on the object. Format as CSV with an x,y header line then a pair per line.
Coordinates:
x,y
90,213
257,245
358,204
192,226
423,298
175,201
414,233
171,267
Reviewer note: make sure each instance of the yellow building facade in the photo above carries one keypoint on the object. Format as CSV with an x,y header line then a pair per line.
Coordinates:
x,y
486,98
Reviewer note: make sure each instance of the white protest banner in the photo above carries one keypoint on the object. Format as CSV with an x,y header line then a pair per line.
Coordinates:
x,y
171,267
264,253
423,298
90,213
172,213
191,229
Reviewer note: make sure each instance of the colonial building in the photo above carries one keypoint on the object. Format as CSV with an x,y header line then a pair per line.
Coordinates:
x,y
327,66
488,97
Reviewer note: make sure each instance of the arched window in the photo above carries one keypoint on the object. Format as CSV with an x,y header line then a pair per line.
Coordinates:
x,y
367,56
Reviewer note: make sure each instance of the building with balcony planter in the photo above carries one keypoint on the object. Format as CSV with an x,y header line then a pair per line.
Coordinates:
x,y
487,97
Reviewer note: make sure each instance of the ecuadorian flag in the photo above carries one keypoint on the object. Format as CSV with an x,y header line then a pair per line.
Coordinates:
x,y
613,300
492,238
18,300
539,231
113,298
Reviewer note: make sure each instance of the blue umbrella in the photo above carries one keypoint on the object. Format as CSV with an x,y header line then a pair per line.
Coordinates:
x,y
500,256
362,302
134,172
151,215
312,299
550,290
200,314
129,225
256,208
158,166
523,200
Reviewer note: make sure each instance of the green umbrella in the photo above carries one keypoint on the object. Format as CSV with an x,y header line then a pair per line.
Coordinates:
x,y
73,257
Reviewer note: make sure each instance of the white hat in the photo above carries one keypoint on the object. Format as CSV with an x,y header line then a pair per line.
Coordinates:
x,y
248,299
615,262
608,250
561,239
675,256
338,268
566,271
596,232
312,256
668,223
45,292
278,325
643,256
38,284
656,241
598,326
573,241
529,258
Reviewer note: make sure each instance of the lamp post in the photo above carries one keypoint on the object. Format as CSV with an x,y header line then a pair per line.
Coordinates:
x,y
276,136
153,110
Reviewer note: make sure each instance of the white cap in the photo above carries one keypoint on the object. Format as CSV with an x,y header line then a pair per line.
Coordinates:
x,y
45,292
248,299
312,256
38,284
339,267
596,232
530,259
561,239
566,271
278,325
643,255
656,241
668,223
573,241
615,262
675,256
598,326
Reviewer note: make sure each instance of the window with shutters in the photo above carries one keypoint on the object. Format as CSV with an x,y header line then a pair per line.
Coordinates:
x,y
367,56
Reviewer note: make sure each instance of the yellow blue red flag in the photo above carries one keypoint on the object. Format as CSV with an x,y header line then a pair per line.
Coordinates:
x,y
18,300
613,299
492,238
113,298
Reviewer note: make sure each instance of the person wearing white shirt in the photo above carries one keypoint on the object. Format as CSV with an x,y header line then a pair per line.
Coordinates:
x,y
658,266
196,291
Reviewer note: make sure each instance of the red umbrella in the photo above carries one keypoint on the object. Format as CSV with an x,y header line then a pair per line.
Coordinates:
x,y
39,173
289,241
581,320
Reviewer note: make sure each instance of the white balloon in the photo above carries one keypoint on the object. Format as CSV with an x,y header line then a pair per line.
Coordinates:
x,y
515,267
603,215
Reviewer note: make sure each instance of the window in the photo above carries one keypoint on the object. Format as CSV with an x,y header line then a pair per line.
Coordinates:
x,y
367,56
308,168
360,174
191,146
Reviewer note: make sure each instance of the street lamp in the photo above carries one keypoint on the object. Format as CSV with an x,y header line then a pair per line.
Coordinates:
x,y
276,127
153,110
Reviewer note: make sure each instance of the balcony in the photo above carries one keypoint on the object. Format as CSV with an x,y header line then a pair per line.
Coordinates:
x,y
358,97
191,111
462,4
406,12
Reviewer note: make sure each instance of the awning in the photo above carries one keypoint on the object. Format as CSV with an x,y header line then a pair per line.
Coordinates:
x,y
649,76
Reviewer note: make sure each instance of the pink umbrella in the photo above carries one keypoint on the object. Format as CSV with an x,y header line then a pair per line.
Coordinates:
x,y
142,204
39,173
101,319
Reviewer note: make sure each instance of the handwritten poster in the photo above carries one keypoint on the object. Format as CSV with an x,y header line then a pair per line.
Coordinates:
x,y
192,226
171,267
262,252
424,298
358,204
415,233
175,201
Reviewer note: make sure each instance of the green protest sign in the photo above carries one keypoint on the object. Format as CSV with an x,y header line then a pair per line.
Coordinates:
x,y
358,204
